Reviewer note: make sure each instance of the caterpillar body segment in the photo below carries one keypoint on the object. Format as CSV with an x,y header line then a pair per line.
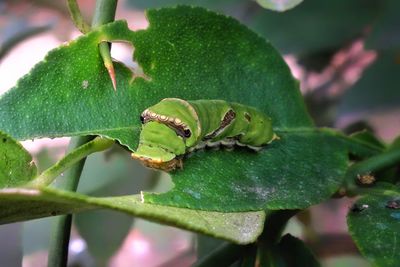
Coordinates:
x,y
179,115
174,127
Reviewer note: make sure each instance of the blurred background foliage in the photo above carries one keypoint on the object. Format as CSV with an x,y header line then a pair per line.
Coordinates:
x,y
346,55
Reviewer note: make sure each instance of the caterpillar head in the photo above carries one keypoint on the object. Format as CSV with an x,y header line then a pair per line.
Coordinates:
x,y
177,114
159,147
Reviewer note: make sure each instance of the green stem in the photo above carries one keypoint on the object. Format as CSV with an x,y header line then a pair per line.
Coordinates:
x,y
77,17
224,255
274,226
77,154
227,254
376,163
376,191
58,253
105,13
59,241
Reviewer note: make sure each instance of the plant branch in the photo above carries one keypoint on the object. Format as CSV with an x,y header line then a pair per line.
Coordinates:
x,y
228,253
77,154
274,226
59,241
105,13
224,255
376,163
77,17
58,253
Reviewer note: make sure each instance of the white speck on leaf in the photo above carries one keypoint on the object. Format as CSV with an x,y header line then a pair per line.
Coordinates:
x,y
85,84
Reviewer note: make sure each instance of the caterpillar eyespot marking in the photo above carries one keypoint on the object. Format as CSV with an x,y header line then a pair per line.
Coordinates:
x,y
174,128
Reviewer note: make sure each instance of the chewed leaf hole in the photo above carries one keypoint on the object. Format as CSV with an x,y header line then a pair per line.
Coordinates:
x,y
122,52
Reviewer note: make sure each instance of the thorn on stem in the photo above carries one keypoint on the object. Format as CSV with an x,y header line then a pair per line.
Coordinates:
x,y
105,54
111,73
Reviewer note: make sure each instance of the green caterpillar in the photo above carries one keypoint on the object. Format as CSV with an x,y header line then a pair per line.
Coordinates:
x,y
174,127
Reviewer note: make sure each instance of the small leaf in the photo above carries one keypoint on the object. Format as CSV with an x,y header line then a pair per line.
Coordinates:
x,y
18,204
364,144
295,253
16,165
279,5
395,144
369,139
374,224
114,178
289,252
95,227
205,245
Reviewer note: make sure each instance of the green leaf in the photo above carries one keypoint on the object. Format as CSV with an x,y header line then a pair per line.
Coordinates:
x,y
377,89
205,245
16,165
395,144
295,253
374,224
288,252
278,177
279,5
368,139
188,53
110,174
17,204
315,26
112,179
92,227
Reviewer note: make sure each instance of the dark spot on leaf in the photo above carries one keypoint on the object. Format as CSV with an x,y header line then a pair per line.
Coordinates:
x,y
393,204
358,207
4,140
53,213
